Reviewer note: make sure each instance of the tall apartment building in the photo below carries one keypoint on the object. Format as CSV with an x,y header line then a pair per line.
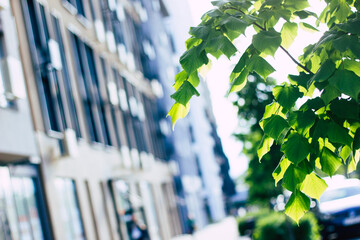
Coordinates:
x,y
202,181
80,150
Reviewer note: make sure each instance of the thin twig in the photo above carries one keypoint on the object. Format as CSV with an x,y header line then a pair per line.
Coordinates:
x,y
286,51
295,61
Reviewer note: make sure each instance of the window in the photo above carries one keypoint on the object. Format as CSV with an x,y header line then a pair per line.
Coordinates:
x,y
75,6
154,128
128,204
3,100
88,82
22,213
50,70
69,207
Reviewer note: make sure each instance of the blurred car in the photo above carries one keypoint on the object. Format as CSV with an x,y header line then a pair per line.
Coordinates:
x,y
339,209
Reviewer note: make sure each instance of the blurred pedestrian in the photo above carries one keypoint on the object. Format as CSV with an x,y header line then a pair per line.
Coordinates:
x,y
138,231
190,222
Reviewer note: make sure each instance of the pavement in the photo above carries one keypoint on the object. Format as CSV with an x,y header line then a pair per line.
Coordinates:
x,y
224,230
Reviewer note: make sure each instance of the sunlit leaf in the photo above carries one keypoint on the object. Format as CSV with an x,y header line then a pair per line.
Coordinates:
x,y
264,147
329,161
280,170
313,186
288,34
240,81
297,205
178,111
307,27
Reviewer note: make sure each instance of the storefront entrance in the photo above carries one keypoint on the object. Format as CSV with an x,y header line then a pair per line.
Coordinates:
x,y
22,208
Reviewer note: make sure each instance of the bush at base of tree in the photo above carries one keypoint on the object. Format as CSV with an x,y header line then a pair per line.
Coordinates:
x,y
276,226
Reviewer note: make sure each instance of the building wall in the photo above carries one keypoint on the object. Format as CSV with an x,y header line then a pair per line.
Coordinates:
x,y
89,136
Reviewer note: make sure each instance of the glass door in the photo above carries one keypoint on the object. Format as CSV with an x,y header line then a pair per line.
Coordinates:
x,y
22,209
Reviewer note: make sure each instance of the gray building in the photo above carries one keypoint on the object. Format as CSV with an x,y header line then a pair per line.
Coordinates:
x,y
80,152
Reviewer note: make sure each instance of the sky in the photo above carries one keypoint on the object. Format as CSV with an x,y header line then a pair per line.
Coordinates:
x,y
217,80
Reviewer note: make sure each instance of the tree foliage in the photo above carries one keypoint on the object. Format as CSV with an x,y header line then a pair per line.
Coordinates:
x,y
250,103
323,133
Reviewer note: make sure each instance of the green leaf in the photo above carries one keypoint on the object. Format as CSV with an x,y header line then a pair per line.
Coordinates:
x,y
339,134
354,162
264,147
193,58
287,95
216,42
302,121
313,186
267,41
307,27
178,111
346,82
212,13
179,79
191,42
280,170
302,79
297,206
329,161
293,177
184,93
343,11
273,108
239,82
183,76
329,94
314,104
201,31
296,148
239,66
325,71
345,153
274,126
234,26
352,66
356,142
345,42
296,5
288,34
346,109
305,14
351,26
260,66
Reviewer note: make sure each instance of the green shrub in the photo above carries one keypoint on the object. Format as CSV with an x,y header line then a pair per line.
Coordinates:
x,y
246,224
276,226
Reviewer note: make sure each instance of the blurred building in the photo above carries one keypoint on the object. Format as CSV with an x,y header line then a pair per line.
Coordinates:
x,y
85,145
203,179
80,149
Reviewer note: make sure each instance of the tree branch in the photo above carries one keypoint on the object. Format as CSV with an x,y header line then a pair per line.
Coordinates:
x,y
295,61
286,51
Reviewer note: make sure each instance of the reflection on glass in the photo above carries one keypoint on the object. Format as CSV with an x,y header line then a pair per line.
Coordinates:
x,y
70,212
19,212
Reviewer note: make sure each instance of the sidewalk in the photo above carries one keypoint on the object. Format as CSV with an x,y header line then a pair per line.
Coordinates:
x,y
224,230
